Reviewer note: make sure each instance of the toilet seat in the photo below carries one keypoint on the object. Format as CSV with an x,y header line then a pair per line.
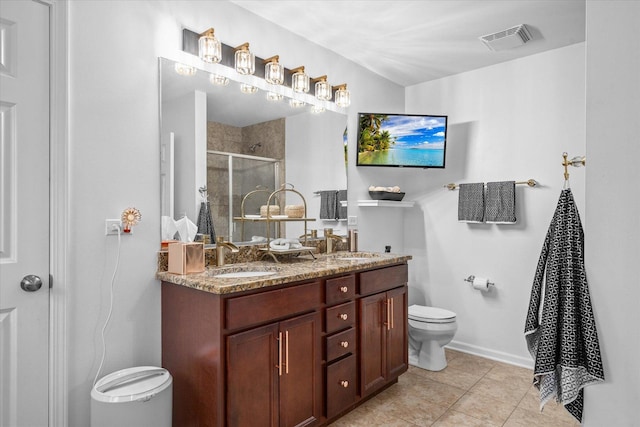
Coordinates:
x,y
421,313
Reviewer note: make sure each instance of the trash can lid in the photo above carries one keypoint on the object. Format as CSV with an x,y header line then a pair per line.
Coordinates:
x,y
131,384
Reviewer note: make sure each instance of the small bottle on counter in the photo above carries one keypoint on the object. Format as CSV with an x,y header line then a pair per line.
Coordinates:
x,y
353,240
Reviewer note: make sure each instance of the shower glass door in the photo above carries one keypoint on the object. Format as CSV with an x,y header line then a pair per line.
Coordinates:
x,y
229,178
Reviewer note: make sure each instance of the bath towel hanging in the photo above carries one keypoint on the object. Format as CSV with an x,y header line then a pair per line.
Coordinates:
x,y
205,223
560,328
328,204
341,211
500,202
471,202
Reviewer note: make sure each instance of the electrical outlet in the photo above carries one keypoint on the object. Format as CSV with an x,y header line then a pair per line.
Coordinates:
x,y
111,227
352,220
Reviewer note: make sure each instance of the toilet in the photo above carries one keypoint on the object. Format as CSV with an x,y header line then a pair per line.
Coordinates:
x,y
430,329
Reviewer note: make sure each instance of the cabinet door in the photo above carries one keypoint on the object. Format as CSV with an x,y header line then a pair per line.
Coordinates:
x,y
252,377
301,379
373,336
397,345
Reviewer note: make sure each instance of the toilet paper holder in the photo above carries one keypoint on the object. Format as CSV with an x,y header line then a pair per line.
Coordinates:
x,y
471,278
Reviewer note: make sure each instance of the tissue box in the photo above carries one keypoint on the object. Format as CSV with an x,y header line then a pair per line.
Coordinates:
x,y
186,258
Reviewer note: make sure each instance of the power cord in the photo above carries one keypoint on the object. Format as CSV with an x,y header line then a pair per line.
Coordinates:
x,y
106,323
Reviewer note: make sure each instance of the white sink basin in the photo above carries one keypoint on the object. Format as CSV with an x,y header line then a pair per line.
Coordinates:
x,y
241,274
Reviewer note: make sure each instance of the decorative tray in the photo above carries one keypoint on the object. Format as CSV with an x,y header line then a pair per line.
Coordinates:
x,y
386,195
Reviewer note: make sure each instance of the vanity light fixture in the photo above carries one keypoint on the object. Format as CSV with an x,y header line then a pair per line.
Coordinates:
x,y
342,96
323,88
273,70
248,89
317,109
272,96
299,80
209,47
218,80
185,70
245,60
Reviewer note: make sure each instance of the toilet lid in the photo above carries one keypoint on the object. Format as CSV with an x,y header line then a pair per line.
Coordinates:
x,y
430,314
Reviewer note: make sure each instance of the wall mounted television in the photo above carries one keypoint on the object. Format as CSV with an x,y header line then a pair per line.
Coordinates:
x,y
402,140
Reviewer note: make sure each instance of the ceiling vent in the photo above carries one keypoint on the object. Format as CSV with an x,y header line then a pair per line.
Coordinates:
x,y
507,39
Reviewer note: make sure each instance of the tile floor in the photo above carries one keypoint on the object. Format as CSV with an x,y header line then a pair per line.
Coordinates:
x,y
470,391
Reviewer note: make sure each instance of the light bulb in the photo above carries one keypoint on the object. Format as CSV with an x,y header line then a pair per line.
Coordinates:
x,y
245,61
209,47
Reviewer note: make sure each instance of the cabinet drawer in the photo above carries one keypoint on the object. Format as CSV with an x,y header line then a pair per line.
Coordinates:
x,y
340,289
265,306
340,344
383,279
341,385
340,317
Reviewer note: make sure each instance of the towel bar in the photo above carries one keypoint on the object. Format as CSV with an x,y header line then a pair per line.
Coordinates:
x,y
529,182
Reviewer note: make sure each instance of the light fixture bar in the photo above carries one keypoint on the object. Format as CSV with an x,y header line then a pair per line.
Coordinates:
x,y
190,45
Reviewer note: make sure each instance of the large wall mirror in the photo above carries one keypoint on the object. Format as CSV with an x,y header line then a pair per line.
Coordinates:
x,y
233,142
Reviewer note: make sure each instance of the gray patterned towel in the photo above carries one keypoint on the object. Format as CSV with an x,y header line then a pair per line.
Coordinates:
x,y
560,329
471,202
341,210
500,202
328,204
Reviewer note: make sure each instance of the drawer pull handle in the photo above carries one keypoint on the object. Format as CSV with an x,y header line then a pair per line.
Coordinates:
x,y
344,383
344,344
344,289
343,316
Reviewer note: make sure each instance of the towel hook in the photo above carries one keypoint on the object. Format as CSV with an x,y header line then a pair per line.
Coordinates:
x,y
577,162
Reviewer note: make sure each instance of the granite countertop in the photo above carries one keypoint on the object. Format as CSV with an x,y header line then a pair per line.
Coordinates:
x,y
293,270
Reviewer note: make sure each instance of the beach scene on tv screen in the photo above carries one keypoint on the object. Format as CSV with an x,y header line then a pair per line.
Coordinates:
x,y
401,140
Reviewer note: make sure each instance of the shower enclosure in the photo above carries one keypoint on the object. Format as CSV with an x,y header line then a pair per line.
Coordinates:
x,y
230,177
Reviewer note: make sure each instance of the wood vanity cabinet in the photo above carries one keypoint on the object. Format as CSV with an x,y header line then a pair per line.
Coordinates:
x,y
272,374
298,354
340,344
383,327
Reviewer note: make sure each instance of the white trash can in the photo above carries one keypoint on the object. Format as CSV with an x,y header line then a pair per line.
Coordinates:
x,y
133,397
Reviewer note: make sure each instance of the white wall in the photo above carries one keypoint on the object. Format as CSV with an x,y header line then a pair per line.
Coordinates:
x,y
186,118
511,121
114,142
313,140
612,229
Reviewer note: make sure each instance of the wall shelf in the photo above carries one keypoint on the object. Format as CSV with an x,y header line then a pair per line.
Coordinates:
x,y
386,203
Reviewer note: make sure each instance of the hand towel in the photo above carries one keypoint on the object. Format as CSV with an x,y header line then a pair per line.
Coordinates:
x,y
500,202
471,202
340,209
285,244
205,224
328,203
560,327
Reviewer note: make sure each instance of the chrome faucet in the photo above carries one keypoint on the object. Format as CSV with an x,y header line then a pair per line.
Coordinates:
x,y
220,246
329,237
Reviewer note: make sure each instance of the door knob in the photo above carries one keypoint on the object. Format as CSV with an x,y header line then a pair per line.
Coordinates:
x,y
31,283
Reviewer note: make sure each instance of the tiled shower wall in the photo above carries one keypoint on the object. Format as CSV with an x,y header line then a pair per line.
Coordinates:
x,y
230,139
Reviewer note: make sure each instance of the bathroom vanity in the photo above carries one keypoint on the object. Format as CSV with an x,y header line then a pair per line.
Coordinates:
x,y
286,344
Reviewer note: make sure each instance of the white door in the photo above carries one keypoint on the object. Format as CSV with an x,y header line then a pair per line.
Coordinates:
x,y
24,213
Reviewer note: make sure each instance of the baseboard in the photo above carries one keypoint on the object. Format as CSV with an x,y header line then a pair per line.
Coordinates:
x,y
525,362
